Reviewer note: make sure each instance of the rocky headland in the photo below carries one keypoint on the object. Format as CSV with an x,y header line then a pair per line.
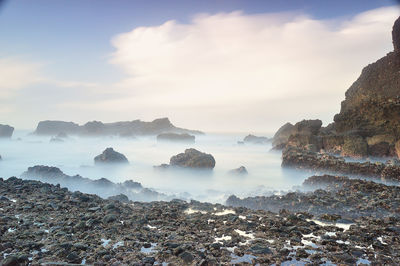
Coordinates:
x,y
368,124
124,128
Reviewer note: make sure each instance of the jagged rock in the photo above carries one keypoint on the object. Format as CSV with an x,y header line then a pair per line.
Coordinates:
x,y
281,137
255,139
396,35
109,156
303,134
397,146
173,137
193,158
6,131
369,118
239,171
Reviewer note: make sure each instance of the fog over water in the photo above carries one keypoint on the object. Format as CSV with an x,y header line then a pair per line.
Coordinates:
x,y
75,156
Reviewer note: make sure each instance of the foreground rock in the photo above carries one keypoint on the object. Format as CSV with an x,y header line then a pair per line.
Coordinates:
x,y
369,120
255,139
6,131
109,156
37,229
125,128
344,197
102,187
173,137
193,158
303,159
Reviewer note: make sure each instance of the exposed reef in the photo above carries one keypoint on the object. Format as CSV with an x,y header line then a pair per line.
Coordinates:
x,y
334,195
36,228
308,160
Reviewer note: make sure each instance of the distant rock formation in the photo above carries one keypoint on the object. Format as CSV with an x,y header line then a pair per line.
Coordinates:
x,y
369,120
102,187
6,131
174,137
239,171
125,128
109,156
255,139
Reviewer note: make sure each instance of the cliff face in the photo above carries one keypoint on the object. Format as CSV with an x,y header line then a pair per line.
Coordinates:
x,y
369,120
372,104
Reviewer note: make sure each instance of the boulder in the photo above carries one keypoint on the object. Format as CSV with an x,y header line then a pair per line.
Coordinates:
x,y
193,158
6,131
109,156
55,127
174,137
239,171
255,139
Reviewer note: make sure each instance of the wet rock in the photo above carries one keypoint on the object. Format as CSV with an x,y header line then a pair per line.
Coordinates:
x,y
193,158
109,156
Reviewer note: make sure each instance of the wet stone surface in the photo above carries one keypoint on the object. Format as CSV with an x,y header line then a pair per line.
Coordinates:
x,y
42,223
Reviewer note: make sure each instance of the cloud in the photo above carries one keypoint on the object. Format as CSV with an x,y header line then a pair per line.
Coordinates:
x,y
256,71
17,74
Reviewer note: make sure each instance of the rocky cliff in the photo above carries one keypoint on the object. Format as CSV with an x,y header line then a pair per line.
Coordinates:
x,y
369,120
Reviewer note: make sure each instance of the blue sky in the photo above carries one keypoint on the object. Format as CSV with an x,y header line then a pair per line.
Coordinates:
x,y
63,32
72,41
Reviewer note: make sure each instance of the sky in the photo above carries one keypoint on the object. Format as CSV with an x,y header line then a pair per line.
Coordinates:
x,y
216,66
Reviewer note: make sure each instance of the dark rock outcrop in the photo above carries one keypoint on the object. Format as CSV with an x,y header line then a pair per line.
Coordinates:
x,y
6,131
174,137
331,198
124,128
256,139
109,156
193,158
302,159
239,171
102,187
45,224
281,137
369,120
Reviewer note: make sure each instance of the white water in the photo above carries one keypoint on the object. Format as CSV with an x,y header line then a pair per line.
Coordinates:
x,y
75,156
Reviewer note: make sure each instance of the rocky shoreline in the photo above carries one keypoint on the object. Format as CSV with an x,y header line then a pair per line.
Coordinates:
x,y
312,161
46,224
